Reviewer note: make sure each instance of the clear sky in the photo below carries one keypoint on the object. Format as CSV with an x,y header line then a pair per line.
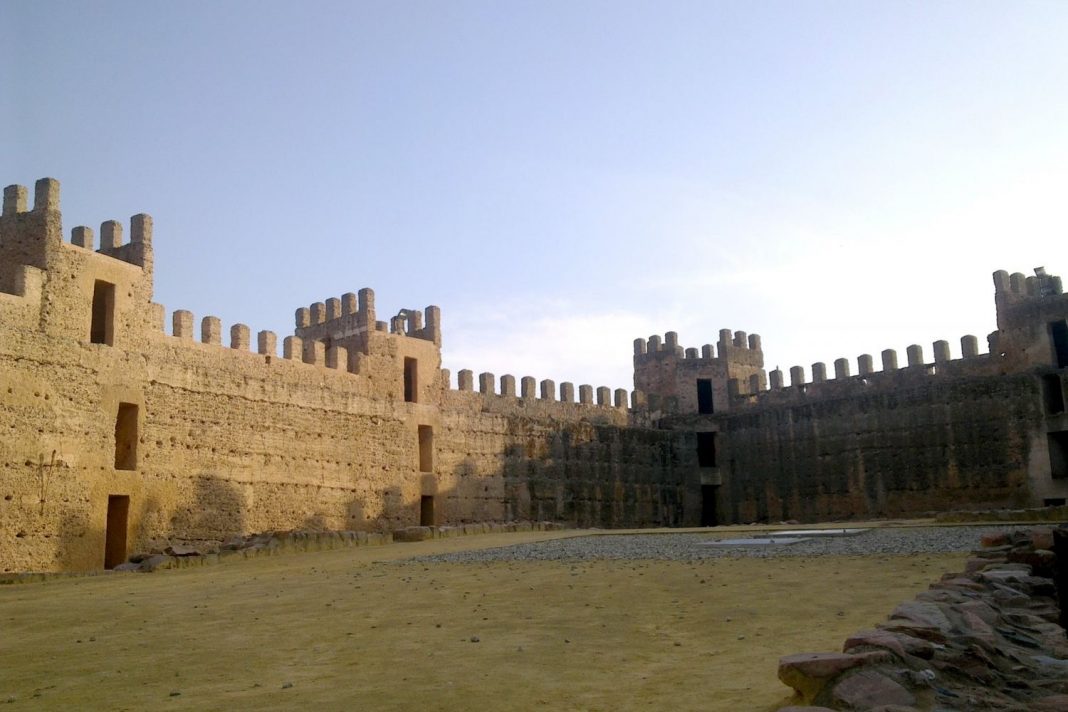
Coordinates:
x,y
562,177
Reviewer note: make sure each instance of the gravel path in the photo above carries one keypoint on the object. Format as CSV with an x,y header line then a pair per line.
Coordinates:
x,y
692,547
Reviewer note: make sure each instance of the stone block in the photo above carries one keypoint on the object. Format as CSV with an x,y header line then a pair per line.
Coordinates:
x,y
867,688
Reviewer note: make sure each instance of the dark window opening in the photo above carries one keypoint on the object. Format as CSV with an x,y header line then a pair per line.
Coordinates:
x,y
426,511
115,531
1054,393
704,396
426,448
1058,333
126,437
1053,502
709,513
706,449
1058,454
102,329
411,380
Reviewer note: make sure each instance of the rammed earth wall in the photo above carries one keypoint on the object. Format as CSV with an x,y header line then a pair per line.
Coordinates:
x,y
126,430
119,437
918,444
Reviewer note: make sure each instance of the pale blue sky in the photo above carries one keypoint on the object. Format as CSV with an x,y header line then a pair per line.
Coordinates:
x,y
561,177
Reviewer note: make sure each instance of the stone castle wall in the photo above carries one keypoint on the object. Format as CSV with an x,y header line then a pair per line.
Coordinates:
x,y
921,444
983,430
231,438
119,436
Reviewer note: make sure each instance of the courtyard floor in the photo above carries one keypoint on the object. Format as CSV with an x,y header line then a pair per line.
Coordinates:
x,y
374,629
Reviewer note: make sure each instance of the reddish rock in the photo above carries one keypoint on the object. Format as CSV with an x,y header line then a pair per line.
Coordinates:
x,y
1053,703
1042,538
808,673
1040,560
994,539
867,688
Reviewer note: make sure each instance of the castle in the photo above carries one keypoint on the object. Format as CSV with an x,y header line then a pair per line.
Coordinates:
x,y
119,437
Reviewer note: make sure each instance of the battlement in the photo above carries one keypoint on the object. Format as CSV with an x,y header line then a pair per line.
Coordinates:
x,y
1018,286
294,348
45,198
545,391
735,347
27,236
844,382
351,318
1031,314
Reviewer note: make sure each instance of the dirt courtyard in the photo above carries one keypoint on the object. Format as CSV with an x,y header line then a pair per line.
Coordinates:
x,y
367,629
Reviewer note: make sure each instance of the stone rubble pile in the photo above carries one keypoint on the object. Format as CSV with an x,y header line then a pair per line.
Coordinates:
x,y
176,556
984,639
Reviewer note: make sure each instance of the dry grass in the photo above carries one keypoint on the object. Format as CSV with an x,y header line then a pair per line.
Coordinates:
x,y
364,629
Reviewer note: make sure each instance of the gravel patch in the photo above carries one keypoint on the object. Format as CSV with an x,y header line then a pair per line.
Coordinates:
x,y
688,547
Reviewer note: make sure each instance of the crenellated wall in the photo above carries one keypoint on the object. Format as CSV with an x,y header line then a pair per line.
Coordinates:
x,y
984,430
665,372
119,435
905,444
112,425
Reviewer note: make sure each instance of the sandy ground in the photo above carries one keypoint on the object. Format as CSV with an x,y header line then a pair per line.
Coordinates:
x,y
365,629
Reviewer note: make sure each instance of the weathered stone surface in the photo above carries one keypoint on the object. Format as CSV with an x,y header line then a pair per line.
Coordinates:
x,y
413,534
867,688
157,562
982,642
898,644
931,615
1052,703
994,539
807,673
1042,538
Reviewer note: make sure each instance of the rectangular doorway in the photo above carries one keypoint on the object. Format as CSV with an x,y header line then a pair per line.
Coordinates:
x,y
411,380
102,328
1053,393
704,396
1058,454
115,532
709,512
426,448
1058,336
426,511
126,437
706,449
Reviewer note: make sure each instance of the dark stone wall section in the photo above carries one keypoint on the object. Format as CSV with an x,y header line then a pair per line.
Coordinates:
x,y
934,445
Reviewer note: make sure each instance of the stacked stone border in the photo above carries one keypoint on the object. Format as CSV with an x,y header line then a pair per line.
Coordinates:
x,y
988,638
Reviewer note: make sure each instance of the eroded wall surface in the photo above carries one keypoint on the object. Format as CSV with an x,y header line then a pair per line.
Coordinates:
x,y
924,445
125,427
352,426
